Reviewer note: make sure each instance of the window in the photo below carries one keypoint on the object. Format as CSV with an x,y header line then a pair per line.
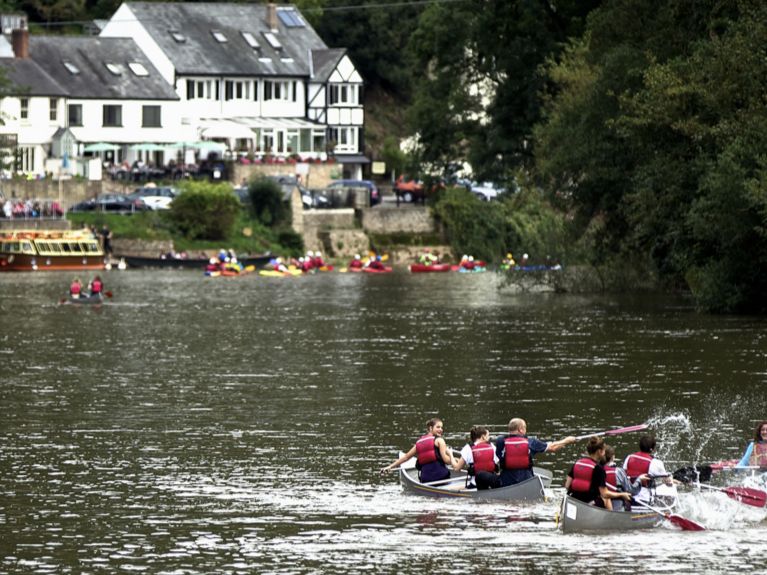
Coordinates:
x,y
24,113
72,68
345,139
251,40
113,68
228,90
236,90
343,94
150,117
280,90
273,41
178,36
190,85
75,115
113,116
219,36
138,69
290,18
53,110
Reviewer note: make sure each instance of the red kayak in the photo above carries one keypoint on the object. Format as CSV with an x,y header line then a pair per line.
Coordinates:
x,y
385,270
421,268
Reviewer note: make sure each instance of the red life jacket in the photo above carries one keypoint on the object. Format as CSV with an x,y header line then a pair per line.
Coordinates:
x,y
637,464
759,455
611,480
516,453
96,286
582,473
484,457
74,289
426,450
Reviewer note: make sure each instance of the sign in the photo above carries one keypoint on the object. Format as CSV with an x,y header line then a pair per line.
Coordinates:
x,y
302,169
378,168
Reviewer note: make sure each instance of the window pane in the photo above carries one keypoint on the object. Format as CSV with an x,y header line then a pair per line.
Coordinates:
x,y
75,115
113,116
151,117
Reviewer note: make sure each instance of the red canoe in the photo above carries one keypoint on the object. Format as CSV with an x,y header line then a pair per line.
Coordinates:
x,y
421,268
385,270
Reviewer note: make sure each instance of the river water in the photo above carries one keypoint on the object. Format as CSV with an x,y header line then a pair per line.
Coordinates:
x,y
236,425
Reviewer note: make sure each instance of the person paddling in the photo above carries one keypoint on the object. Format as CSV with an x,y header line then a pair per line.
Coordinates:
x,y
756,453
617,480
480,457
587,481
96,286
432,454
516,451
75,288
643,465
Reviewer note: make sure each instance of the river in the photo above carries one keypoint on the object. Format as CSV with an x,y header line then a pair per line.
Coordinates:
x,y
236,425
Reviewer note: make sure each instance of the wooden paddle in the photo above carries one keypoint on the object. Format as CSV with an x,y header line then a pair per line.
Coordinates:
x,y
615,431
745,495
681,522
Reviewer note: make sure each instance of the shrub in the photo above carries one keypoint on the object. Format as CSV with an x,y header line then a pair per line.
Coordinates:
x,y
205,211
267,204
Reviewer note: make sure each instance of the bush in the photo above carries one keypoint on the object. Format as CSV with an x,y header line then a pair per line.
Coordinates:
x,y
205,211
267,204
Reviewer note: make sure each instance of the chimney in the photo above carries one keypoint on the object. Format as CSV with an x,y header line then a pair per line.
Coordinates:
x,y
20,42
271,16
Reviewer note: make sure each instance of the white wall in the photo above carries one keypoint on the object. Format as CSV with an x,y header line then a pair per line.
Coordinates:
x,y
93,128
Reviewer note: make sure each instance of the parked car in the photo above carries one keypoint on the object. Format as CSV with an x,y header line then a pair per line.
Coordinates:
x,y
486,191
117,203
309,198
155,198
409,190
373,194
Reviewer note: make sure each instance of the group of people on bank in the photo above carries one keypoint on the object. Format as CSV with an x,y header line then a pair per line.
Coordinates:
x,y
594,478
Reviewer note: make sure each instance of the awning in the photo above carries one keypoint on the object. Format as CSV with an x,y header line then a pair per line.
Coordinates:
x,y
278,123
351,158
225,129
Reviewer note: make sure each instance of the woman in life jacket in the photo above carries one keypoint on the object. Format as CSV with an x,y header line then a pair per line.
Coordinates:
x,y
432,453
617,480
75,288
756,453
480,457
96,286
586,480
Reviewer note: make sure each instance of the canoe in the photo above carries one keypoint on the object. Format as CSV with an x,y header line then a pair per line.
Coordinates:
x,y
385,270
279,274
530,490
576,516
421,268
84,300
230,272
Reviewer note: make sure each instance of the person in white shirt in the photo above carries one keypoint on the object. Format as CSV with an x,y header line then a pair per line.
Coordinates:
x,y
645,466
480,457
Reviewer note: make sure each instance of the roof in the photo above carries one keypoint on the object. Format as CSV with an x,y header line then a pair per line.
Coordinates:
x,y
29,78
200,53
325,61
89,56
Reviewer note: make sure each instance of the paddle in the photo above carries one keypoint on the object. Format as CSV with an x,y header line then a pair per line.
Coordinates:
x,y
615,431
681,522
745,495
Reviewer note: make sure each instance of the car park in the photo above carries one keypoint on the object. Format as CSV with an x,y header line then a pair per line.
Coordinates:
x,y
374,195
156,198
115,203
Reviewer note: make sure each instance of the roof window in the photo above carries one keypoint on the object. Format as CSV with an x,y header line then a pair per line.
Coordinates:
x,y
178,36
71,67
219,36
138,69
251,40
273,41
290,18
114,68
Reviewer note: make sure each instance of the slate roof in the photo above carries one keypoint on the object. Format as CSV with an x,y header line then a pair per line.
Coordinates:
x,y
28,78
201,54
325,61
94,81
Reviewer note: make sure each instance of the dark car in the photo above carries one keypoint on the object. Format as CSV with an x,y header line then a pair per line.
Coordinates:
x,y
373,193
115,203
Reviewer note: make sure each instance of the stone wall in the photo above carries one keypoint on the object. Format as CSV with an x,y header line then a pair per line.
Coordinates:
x,y
141,248
72,191
385,219
316,222
320,175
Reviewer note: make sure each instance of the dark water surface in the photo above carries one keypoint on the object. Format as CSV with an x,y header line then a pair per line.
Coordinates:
x,y
225,425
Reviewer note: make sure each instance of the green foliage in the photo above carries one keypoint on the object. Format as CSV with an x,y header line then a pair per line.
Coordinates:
x,y
205,211
267,204
149,226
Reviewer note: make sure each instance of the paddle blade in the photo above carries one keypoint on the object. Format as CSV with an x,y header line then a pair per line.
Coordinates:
x,y
108,293
627,429
684,523
748,496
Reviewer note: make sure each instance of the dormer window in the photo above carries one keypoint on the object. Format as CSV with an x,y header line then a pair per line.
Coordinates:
x,y
178,36
138,69
219,36
113,68
251,40
71,68
273,41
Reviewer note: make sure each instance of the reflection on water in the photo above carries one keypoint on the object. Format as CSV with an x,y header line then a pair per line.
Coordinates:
x,y
225,425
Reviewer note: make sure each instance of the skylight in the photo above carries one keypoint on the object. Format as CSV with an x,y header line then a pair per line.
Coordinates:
x,y
273,41
251,40
138,68
71,67
114,68
219,36
290,18
178,36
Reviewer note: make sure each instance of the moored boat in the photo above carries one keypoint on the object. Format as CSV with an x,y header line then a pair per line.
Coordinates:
x,y
187,263
576,516
431,268
49,250
455,487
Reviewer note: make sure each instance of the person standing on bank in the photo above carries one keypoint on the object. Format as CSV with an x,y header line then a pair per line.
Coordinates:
x,y
432,453
516,451
106,240
480,457
586,480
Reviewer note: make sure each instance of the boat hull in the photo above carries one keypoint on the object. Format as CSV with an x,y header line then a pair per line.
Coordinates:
x,y
189,263
530,490
576,517
31,263
85,300
434,268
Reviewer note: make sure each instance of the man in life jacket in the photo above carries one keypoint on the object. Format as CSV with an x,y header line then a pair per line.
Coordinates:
x,y
516,451
756,454
586,481
356,263
432,454
617,480
644,466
